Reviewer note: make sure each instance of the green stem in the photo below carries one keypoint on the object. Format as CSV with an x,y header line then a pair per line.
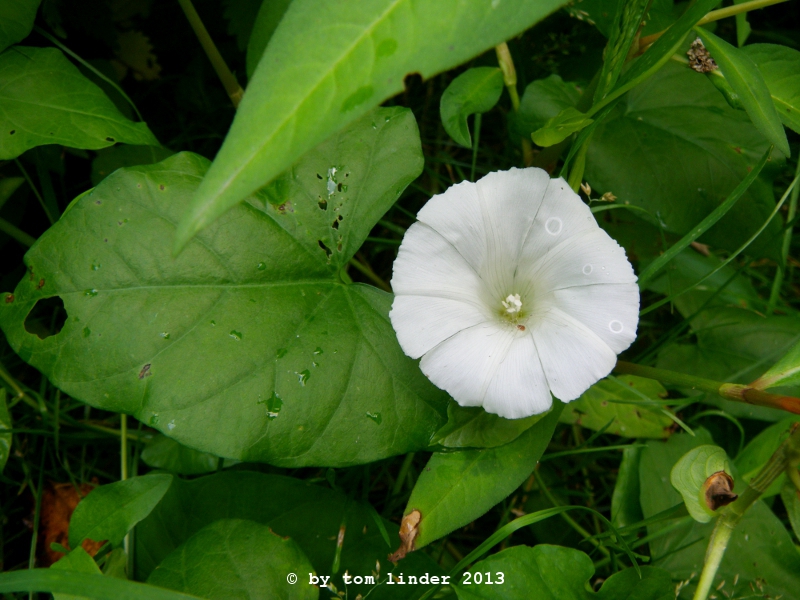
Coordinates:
x,y
478,119
786,456
510,79
36,193
730,391
787,243
737,9
228,79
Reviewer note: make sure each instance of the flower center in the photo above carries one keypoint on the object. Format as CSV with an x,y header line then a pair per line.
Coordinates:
x,y
513,305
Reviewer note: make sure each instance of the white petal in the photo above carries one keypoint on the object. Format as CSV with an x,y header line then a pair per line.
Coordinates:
x,y
561,216
611,311
464,364
421,322
428,265
519,388
586,259
572,356
488,220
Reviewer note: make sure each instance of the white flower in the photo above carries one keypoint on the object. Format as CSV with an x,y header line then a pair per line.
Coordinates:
x,y
509,290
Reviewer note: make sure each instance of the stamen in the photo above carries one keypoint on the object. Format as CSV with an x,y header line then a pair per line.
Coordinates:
x,y
512,304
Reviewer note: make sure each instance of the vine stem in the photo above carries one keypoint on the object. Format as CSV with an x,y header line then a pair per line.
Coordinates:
x,y
786,457
716,15
510,80
228,79
730,391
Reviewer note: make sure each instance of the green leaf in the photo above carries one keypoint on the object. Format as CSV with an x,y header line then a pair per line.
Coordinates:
x,y
267,21
760,551
746,80
555,573
167,454
688,267
311,515
79,561
16,20
690,473
5,423
784,372
790,496
50,102
543,99
625,508
621,403
756,454
110,511
475,428
676,128
247,345
456,488
733,345
327,65
623,33
706,223
476,90
110,159
780,67
97,587
236,558
560,127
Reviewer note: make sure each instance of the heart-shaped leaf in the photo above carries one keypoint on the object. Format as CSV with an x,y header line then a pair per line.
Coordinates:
x,y
474,91
690,473
51,102
328,64
237,558
248,345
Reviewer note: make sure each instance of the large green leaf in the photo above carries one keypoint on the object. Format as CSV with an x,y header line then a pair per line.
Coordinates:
x,y
163,452
623,403
760,553
734,345
674,147
326,65
312,516
110,511
247,345
16,20
476,90
97,587
556,573
747,82
625,507
456,488
44,99
780,67
267,20
543,99
237,559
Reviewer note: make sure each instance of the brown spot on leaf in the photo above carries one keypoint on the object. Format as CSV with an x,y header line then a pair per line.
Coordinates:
x,y
41,284
145,372
409,529
718,490
9,298
521,327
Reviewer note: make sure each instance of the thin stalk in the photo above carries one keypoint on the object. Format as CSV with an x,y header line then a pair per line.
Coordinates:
x,y
367,270
787,243
15,232
36,193
730,391
228,79
716,15
398,483
478,119
787,456
510,79
37,514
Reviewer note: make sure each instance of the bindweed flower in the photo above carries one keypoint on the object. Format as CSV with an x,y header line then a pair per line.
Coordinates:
x,y
509,290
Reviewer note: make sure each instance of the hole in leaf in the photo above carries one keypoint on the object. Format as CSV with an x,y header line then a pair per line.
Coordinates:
x,y
339,187
335,224
46,318
12,132
110,139
319,176
324,247
323,203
